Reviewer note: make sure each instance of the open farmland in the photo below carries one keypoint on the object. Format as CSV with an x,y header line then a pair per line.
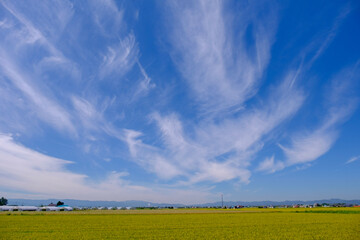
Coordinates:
x,y
321,223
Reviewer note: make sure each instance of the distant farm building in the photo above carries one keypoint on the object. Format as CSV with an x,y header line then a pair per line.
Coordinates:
x,y
33,208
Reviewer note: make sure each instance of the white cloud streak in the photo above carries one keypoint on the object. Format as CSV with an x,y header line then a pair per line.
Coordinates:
x,y
149,157
216,152
88,115
353,159
108,17
42,31
49,24
221,78
222,70
21,39
145,84
47,109
25,170
269,165
310,145
121,58
331,34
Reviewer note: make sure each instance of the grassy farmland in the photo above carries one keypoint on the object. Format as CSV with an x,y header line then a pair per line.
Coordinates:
x,y
320,223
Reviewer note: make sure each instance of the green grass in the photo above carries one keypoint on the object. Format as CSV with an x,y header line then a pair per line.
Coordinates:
x,y
183,224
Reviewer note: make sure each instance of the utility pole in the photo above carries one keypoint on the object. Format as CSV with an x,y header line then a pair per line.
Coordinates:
x,y
222,201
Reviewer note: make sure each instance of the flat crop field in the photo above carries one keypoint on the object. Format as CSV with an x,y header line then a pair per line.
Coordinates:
x,y
319,223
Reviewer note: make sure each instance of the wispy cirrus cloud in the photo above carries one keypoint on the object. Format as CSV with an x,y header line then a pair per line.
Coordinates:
x,y
44,29
150,157
145,84
87,113
108,17
204,51
45,176
47,109
222,68
120,58
269,165
353,159
80,69
307,146
243,132
216,152
330,35
228,145
26,80
25,33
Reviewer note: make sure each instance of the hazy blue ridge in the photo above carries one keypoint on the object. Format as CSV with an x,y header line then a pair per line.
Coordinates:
x,y
277,203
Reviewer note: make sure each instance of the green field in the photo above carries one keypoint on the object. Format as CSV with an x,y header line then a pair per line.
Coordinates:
x,y
320,223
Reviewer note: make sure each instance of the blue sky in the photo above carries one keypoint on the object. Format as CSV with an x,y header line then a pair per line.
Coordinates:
x,y
179,101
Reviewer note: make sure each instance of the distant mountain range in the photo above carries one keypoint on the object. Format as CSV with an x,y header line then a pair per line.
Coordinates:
x,y
278,203
85,203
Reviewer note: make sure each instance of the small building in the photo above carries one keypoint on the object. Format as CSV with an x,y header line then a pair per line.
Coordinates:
x,y
7,208
27,208
65,208
49,208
